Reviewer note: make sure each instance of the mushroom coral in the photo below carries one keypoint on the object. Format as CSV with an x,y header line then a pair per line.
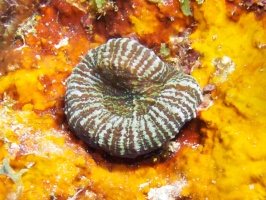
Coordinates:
x,y
124,99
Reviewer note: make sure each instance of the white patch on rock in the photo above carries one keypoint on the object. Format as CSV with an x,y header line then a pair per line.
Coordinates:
x,y
167,192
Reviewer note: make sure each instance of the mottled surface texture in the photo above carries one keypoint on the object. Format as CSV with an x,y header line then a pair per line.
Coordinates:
x,y
123,99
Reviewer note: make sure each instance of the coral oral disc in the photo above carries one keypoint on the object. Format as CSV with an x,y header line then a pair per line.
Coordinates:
x,y
125,100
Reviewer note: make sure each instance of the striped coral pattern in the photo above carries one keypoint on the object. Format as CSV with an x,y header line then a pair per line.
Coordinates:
x,y
125,100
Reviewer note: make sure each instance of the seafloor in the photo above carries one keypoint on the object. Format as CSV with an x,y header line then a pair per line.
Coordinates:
x,y
219,155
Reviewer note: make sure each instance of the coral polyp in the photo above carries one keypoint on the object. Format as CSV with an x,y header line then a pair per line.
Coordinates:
x,y
124,99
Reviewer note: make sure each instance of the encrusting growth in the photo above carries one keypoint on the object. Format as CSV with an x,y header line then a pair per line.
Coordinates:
x,y
124,99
